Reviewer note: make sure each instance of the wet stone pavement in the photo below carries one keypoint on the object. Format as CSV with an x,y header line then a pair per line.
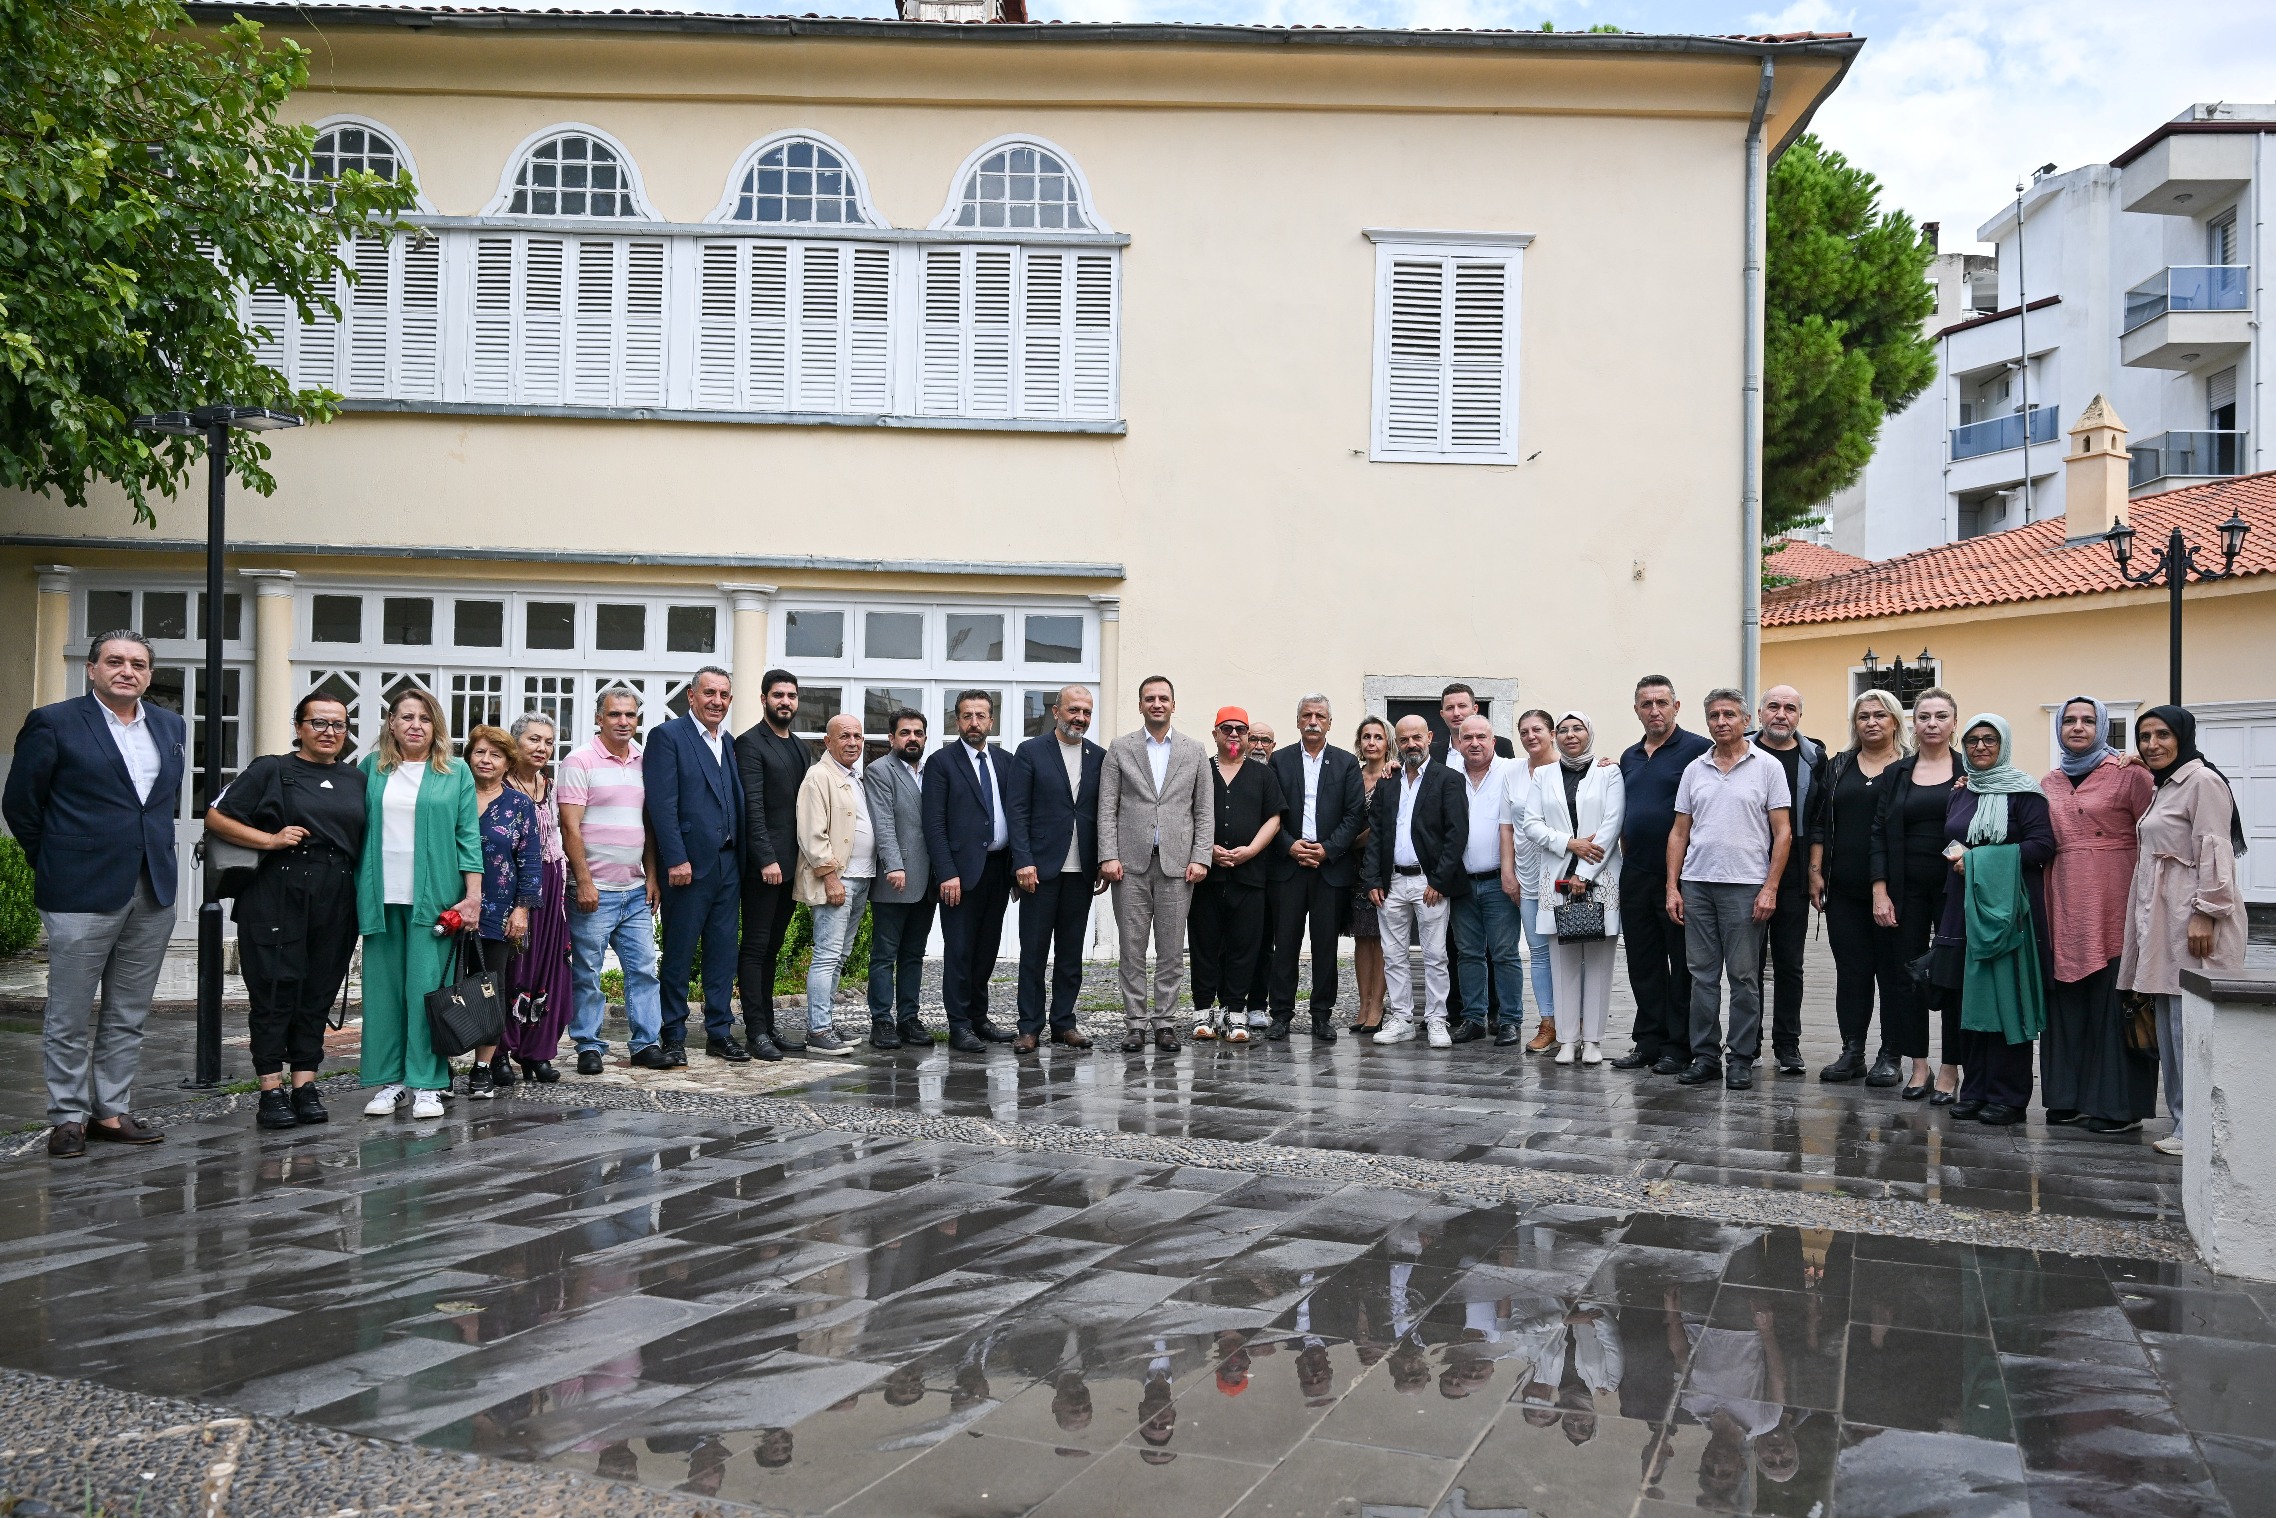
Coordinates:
x,y
940,1286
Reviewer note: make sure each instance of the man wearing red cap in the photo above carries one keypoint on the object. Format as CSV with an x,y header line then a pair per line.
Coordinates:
x,y
1228,907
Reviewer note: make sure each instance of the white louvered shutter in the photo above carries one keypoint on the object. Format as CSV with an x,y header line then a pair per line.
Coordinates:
x,y
794,326
1446,340
869,331
419,319
1478,360
491,322
940,357
269,317
542,320
1414,408
1043,334
720,302
640,369
767,368
821,316
596,280
1091,392
988,369
367,308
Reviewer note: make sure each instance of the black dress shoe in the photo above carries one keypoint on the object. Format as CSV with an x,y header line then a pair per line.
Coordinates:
x,y
883,1035
541,1071
728,1050
2112,1124
67,1141
1999,1115
276,1109
1915,1093
762,1046
990,1033
1466,1032
1847,1068
963,1042
1740,1076
1634,1059
1509,1033
1699,1072
1942,1098
2063,1117
1166,1041
652,1057
1670,1064
915,1035
1276,1031
1323,1028
1134,1041
1885,1072
676,1055
588,1061
1790,1063
1968,1111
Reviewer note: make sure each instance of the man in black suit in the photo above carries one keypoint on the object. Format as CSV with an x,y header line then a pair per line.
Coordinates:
x,y
771,764
91,797
1315,871
968,838
1052,802
1419,826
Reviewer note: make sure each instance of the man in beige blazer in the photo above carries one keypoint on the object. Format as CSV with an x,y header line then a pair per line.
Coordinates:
x,y
1156,821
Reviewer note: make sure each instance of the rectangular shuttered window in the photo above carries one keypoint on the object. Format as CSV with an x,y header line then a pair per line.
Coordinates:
x,y
794,326
1017,332
559,321
1446,354
387,341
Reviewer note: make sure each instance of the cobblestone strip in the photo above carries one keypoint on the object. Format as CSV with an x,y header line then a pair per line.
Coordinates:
x,y
1473,1183
72,1449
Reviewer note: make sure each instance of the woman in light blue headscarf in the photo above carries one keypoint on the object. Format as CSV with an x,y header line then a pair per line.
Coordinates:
x,y
1996,822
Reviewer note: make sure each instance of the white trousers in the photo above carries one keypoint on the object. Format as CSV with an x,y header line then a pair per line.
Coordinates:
x,y
1403,919
1583,974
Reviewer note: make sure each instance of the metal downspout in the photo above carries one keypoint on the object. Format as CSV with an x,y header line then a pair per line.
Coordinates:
x,y
1750,464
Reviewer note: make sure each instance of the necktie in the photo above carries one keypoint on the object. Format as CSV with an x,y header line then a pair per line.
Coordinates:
x,y
987,791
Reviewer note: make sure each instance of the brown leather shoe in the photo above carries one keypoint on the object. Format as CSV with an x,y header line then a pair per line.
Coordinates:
x,y
1134,1041
1024,1044
1073,1038
66,1141
1166,1041
128,1131
1544,1038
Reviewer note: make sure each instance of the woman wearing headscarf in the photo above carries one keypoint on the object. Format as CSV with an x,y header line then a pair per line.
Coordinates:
x,y
2095,799
1573,811
1909,875
2184,911
1865,955
1992,943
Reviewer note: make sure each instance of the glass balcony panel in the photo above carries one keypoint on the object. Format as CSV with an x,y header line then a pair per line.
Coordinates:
x,y
2177,455
2000,433
2189,287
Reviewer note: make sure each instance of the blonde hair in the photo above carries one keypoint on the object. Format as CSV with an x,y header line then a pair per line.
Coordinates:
x,y
517,763
1888,703
438,751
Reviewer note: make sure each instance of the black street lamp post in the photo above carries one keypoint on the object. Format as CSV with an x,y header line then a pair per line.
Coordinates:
x,y
2177,562
214,424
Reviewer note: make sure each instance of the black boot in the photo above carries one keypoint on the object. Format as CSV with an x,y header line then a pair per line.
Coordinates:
x,y
1324,1027
1851,1064
276,1109
1885,1070
915,1035
307,1106
502,1070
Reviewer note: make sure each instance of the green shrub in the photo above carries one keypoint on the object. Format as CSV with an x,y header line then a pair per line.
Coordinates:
x,y
791,964
19,919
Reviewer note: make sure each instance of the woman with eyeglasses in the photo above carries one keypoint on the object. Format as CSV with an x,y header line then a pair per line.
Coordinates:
x,y
513,875
538,999
296,923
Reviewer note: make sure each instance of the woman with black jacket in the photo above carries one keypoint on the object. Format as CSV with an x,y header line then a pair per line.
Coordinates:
x,y
1910,873
1844,808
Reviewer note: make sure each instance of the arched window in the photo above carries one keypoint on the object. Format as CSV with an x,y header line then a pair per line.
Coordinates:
x,y
1022,186
800,182
352,148
572,175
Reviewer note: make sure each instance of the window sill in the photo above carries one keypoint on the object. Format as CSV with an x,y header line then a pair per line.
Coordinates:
x,y
747,418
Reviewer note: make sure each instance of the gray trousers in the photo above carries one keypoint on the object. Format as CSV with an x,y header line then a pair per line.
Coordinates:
x,y
2170,1053
120,954
1721,940
1151,903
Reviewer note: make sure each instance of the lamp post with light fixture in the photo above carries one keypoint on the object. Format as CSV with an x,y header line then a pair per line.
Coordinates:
x,y
214,424
2177,561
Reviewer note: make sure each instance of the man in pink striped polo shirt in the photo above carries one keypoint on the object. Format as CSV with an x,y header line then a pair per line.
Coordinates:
x,y
612,875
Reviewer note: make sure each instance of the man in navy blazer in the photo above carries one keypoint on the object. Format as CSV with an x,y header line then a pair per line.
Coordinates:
x,y
91,797
695,813
1315,864
1054,827
968,837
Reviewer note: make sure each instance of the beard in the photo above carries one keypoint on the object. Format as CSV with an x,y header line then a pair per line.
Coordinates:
x,y
1413,758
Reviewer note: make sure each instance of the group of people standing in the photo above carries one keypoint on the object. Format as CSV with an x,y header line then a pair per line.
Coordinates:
x,y
2056,912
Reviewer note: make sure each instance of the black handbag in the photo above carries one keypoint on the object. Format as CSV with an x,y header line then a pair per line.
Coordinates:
x,y
1580,919
465,1011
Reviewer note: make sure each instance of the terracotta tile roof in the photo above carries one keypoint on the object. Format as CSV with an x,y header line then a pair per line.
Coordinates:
x,y
1800,562
2032,563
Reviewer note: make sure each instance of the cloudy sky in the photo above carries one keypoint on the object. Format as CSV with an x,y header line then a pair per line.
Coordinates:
x,y
1952,101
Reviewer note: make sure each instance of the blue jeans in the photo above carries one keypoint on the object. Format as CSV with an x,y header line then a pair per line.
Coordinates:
x,y
620,922
1486,939
834,930
1537,951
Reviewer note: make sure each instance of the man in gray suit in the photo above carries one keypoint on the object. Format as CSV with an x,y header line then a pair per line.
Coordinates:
x,y
901,901
1157,820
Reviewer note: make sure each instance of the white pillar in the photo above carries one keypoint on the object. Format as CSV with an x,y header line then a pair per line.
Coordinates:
x,y
272,659
51,636
2228,1037
748,652
1109,717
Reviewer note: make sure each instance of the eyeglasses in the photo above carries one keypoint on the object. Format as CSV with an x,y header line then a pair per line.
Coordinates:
x,y
325,725
1232,729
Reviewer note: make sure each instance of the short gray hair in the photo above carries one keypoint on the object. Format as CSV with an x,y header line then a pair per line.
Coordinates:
x,y
530,719
1314,699
119,635
615,690
710,669
1725,693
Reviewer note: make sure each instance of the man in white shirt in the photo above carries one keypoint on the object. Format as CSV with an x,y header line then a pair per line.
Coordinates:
x,y
1487,930
1419,833
1156,833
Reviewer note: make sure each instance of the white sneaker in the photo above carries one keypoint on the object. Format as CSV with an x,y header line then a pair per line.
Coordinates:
x,y
384,1101
427,1104
1395,1030
1591,1055
2170,1144
1259,1019
1565,1053
1439,1037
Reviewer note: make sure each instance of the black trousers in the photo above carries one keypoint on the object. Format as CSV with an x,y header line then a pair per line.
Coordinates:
x,y
1904,1001
1659,969
1866,957
766,922
897,934
1224,933
1307,904
971,932
1784,938
293,946
1259,996
1992,1069
1051,923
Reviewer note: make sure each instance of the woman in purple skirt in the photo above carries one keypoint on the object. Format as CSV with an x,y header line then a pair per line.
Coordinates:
x,y
537,1003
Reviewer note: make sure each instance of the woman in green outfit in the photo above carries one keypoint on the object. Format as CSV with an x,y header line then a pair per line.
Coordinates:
x,y
422,856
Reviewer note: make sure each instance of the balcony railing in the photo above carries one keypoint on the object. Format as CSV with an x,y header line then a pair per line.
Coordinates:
x,y
2189,287
2002,433
2172,455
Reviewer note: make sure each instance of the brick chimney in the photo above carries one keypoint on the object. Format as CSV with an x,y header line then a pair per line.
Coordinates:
x,y
2094,473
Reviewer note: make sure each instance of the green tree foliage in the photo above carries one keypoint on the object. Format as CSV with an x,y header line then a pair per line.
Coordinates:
x,y
19,919
144,178
1847,293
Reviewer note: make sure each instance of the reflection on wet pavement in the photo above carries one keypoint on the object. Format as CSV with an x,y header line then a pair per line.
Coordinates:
x,y
820,1321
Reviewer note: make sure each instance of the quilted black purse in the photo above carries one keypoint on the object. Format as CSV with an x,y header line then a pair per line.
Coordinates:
x,y
1580,919
465,1011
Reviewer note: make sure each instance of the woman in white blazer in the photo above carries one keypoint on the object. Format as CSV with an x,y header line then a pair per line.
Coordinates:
x,y
1572,815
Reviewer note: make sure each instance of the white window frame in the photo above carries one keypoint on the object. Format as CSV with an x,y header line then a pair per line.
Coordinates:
x,y
724,212
946,221
394,140
1393,247
643,209
1857,687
